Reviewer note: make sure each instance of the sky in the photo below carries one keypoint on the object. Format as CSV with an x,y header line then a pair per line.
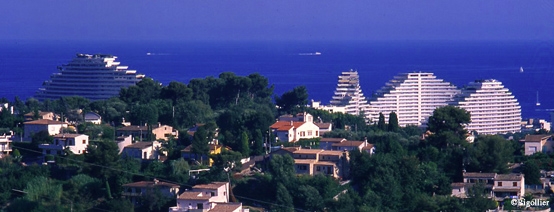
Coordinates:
x,y
277,20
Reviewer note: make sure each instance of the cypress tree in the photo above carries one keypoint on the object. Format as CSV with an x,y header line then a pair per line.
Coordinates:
x,y
393,122
381,124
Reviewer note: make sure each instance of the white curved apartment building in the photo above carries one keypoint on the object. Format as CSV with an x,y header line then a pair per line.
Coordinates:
x,y
349,95
493,108
412,96
94,77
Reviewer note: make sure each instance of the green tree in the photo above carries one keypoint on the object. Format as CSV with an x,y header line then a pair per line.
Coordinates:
x,y
393,122
292,101
449,119
245,144
381,123
258,143
143,92
491,153
282,169
41,137
144,114
477,199
176,91
179,170
200,143
106,154
532,173
283,200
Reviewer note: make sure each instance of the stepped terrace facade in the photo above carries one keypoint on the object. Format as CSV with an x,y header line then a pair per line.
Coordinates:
x,y
493,108
349,94
95,77
412,96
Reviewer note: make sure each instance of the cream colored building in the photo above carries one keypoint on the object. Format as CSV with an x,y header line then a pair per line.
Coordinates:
x,y
319,161
164,132
292,131
538,143
207,197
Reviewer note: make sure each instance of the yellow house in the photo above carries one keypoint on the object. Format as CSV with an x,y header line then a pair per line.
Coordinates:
x,y
187,153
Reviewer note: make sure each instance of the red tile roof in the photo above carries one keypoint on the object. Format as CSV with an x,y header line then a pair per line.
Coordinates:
x,y
479,175
332,140
349,143
332,152
67,135
44,122
226,207
213,185
323,125
536,138
140,145
193,195
285,125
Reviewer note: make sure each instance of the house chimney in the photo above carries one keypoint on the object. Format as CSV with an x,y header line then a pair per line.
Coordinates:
x,y
291,123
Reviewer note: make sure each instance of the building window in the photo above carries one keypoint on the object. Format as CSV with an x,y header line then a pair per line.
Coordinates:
x,y
213,193
515,184
302,168
199,206
499,183
318,168
309,133
316,133
84,141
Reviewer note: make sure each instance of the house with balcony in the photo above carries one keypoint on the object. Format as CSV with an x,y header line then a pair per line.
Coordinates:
x,y
508,186
164,132
319,161
76,143
141,133
292,131
52,127
538,143
207,197
143,150
5,144
133,191
497,186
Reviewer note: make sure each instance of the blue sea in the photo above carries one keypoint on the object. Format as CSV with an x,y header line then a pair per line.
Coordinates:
x,y
24,65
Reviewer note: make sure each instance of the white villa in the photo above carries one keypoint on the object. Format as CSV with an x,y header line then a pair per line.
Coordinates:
x,y
143,150
292,131
32,127
77,144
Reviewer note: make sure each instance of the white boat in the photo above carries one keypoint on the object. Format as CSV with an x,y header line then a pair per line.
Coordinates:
x,y
521,69
538,103
317,53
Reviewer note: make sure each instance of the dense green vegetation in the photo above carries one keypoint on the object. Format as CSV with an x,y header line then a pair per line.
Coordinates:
x,y
409,172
